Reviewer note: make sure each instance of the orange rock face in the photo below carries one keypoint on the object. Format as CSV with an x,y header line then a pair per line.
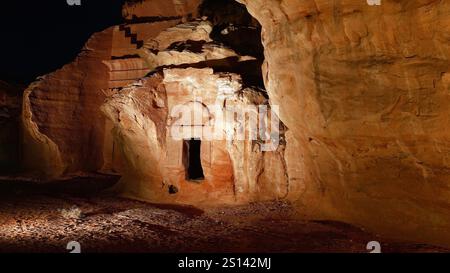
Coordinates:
x,y
159,144
365,95
362,89
157,161
64,130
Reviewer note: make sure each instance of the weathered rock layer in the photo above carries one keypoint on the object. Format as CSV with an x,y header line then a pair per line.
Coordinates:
x,y
64,130
365,94
363,91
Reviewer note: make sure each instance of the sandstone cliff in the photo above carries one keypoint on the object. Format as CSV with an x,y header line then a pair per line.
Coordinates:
x,y
365,95
363,91
191,69
64,130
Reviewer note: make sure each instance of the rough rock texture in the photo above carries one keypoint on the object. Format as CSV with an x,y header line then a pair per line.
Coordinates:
x,y
190,69
64,131
365,95
363,91
188,43
197,31
143,120
161,9
208,53
36,219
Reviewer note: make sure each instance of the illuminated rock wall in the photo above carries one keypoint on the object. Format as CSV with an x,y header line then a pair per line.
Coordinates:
x,y
363,91
365,94
64,132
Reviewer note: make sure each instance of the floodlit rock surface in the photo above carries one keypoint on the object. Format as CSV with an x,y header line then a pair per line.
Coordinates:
x,y
161,9
363,96
192,70
144,127
64,131
197,31
63,126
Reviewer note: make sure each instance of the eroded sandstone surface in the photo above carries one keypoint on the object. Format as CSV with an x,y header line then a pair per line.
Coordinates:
x,y
363,94
64,130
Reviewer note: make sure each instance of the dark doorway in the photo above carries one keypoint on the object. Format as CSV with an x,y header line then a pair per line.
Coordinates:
x,y
193,162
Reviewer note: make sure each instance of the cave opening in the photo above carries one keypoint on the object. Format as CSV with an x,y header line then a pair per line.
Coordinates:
x,y
193,162
234,27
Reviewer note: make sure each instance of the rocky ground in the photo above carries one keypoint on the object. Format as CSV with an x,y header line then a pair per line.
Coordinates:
x,y
38,218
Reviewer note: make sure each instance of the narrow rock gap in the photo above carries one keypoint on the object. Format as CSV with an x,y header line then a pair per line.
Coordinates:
x,y
235,28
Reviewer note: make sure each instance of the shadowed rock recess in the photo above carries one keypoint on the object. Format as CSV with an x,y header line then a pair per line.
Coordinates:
x,y
363,94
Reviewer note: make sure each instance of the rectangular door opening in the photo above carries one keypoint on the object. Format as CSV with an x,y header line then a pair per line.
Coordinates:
x,y
192,159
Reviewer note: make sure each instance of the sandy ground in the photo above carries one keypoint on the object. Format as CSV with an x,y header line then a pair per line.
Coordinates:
x,y
45,218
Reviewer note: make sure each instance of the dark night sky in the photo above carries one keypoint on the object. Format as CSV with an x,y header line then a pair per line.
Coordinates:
x,y
40,36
